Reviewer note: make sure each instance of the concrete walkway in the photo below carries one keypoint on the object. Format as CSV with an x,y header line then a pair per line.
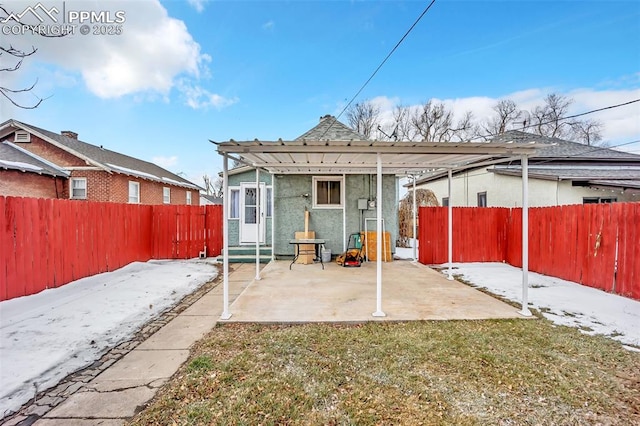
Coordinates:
x,y
118,392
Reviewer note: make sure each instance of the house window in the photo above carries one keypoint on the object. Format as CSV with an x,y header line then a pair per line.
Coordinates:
x,y
134,192
482,199
598,200
445,201
166,195
189,197
234,204
20,136
328,192
79,188
269,202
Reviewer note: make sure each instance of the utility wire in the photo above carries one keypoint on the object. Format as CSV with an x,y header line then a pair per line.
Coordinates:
x,y
424,12
509,166
563,118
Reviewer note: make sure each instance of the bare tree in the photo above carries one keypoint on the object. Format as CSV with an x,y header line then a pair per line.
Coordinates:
x,y
549,119
13,57
208,185
218,188
466,129
364,118
212,187
588,132
432,122
404,130
507,116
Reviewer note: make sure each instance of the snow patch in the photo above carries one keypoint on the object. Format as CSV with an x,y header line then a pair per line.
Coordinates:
x,y
46,336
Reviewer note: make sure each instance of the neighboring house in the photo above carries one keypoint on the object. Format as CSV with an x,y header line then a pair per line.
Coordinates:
x,y
561,172
206,199
338,204
35,162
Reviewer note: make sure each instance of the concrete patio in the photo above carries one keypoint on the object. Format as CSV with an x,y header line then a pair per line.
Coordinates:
x,y
410,291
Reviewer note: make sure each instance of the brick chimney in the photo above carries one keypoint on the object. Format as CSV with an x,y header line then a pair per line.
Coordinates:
x,y
69,134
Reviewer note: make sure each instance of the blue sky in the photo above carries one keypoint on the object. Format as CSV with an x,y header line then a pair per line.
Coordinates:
x,y
184,72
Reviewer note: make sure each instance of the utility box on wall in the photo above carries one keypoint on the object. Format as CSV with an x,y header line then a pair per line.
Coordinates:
x,y
363,204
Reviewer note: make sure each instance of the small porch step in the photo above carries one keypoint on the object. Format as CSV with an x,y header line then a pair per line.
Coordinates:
x,y
247,254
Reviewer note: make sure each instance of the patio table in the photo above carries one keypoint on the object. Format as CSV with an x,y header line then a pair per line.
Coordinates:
x,y
317,243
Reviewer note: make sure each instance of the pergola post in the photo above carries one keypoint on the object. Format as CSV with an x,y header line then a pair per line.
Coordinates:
x,y
415,215
258,206
379,312
450,225
225,238
525,237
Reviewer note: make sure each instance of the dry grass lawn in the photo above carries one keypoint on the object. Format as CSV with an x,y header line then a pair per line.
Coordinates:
x,y
507,372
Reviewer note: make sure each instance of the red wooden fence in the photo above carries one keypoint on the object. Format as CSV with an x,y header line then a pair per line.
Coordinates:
x,y
47,243
595,245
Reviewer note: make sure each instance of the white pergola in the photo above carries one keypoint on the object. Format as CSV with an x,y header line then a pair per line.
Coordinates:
x,y
333,157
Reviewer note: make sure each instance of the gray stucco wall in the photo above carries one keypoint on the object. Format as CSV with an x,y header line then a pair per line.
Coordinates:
x,y
290,202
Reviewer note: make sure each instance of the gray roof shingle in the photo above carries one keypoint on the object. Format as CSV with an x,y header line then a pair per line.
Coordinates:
x,y
579,173
12,158
560,148
330,128
111,160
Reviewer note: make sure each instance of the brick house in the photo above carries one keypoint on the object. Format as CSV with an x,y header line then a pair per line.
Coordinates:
x,y
35,162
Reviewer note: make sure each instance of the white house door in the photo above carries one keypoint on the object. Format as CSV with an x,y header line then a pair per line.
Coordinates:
x,y
251,218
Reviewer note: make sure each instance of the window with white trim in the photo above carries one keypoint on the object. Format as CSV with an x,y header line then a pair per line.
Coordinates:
x,y
134,192
189,198
328,192
234,203
78,190
166,195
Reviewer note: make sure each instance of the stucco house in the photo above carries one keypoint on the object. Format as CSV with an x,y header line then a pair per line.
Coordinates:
x,y
38,163
561,172
338,205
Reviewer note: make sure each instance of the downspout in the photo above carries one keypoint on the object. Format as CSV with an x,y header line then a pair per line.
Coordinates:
x,y
225,239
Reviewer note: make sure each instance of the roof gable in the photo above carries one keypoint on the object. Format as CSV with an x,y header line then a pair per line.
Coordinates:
x,y
106,159
15,158
330,128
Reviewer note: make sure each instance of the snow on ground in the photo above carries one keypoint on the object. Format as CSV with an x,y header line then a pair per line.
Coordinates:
x,y
563,302
46,336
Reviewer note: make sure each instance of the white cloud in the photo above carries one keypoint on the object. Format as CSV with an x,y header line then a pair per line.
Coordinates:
x,y
269,25
197,97
152,50
165,162
620,124
198,5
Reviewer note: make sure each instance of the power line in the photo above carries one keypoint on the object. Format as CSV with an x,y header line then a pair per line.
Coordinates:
x,y
509,166
564,118
424,12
